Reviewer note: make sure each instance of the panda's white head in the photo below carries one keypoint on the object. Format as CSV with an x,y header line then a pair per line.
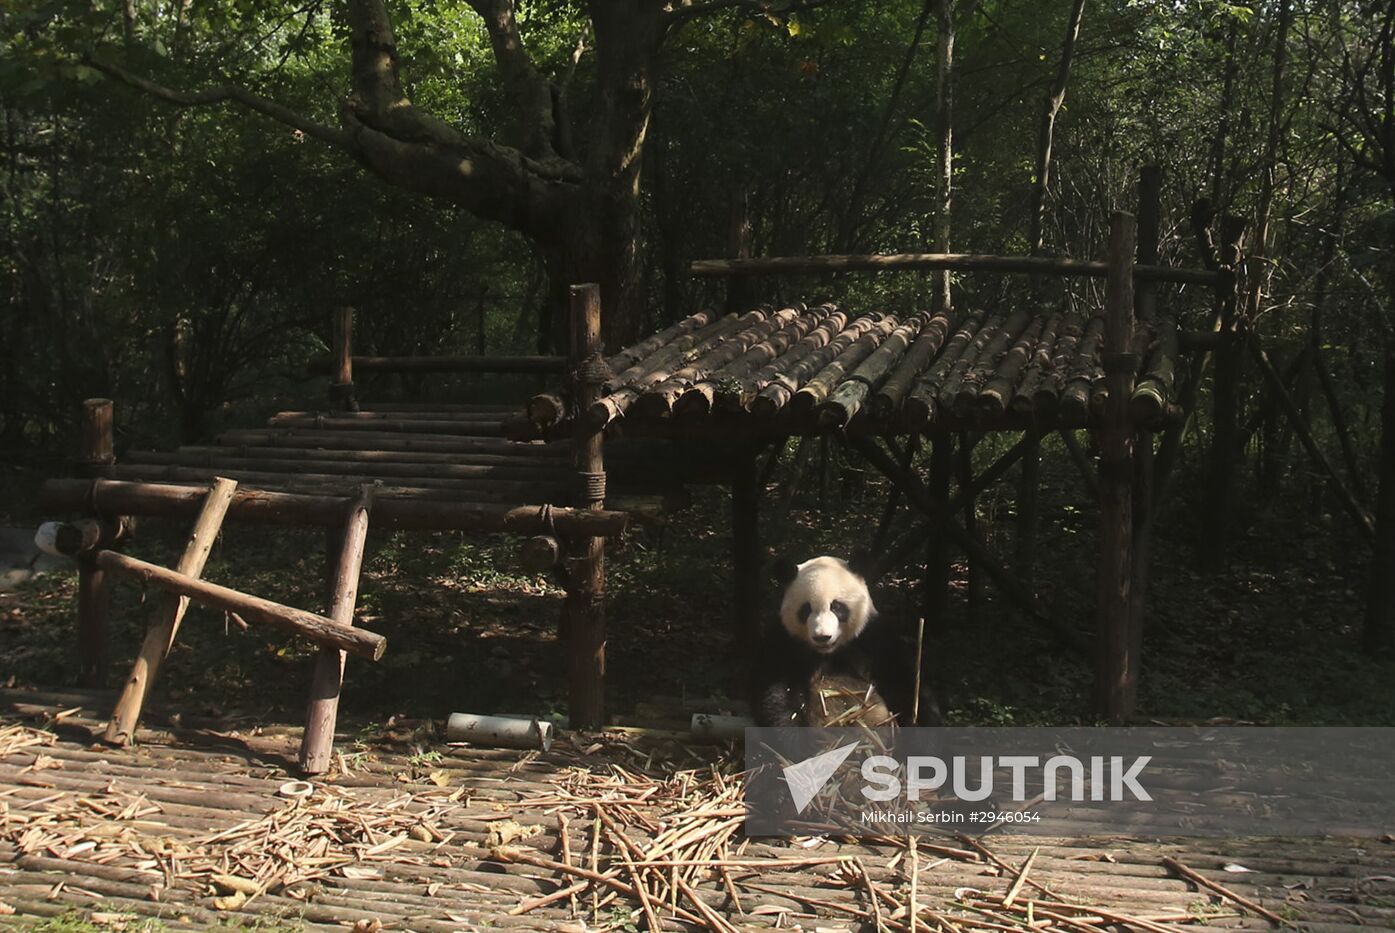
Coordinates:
x,y
826,603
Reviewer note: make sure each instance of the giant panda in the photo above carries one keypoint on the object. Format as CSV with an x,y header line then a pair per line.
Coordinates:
x,y
829,630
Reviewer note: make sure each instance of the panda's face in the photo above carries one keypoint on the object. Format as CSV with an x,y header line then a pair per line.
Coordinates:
x,y
826,605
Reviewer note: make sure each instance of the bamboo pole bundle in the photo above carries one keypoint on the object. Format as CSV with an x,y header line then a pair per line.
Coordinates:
x,y
954,378
783,385
960,397
1154,390
658,400
1074,398
919,407
361,440
993,398
659,366
548,408
1039,365
317,628
850,395
699,399
823,382
738,397
1047,393
893,392
312,463
343,421
175,472
115,497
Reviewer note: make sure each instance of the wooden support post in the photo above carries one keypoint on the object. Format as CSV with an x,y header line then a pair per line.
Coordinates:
x,y
1028,508
317,628
1225,392
165,621
585,602
341,389
746,557
94,591
936,595
964,478
1116,663
1145,309
317,742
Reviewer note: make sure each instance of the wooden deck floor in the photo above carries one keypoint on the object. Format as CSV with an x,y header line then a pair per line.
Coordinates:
x,y
71,810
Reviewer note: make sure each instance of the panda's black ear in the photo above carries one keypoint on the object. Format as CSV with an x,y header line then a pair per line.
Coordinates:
x,y
785,570
864,565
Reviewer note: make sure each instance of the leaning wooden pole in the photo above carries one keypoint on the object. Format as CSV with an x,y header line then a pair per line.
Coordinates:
x,y
585,603
165,621
1116,660
94,590
317,742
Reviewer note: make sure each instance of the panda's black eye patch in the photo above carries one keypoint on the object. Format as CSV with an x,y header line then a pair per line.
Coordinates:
x,y
804,611
840,609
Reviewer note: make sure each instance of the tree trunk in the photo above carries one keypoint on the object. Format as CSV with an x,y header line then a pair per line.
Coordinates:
x,y
1380,605
944,100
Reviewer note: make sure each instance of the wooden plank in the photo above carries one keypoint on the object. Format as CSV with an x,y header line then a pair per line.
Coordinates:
x,y
164,622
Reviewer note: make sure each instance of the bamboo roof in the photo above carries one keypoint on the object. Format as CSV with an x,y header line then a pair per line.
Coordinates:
x,y
801,369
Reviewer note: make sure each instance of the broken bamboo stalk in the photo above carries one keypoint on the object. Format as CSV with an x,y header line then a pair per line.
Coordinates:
x,y
851,395
658,400
823,382
317,742
317,628
741,395
993,398
699,399
164,622
893,391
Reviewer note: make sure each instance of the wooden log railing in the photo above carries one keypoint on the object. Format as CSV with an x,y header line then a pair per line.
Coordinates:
x,y
956,262
443,364
115,497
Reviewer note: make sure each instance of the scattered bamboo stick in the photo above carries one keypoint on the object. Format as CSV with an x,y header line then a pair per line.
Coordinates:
x,y
1202,881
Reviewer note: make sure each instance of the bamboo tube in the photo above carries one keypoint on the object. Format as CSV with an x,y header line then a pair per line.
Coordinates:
x,y
317,628
1063,356
254,505
361,440
164,622
527,469
823,382
69,539
1074,399
499,731
993,397
967,262
698,400
987,334
343,421
893,392
961,398
782,387
738,397
633,354
1038,367
1155,389
658,367
848,397
658,401
920,406
317,742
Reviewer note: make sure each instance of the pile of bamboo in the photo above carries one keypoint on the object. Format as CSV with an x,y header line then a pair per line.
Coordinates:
x,y
806,368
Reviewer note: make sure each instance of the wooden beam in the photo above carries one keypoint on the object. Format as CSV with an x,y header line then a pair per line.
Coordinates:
x,y
317,628
584,607
317,742
168,614
1116,662
963,262
283,508
445,364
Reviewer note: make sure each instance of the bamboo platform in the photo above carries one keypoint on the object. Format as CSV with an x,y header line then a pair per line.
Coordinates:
x,y
158,829
801,369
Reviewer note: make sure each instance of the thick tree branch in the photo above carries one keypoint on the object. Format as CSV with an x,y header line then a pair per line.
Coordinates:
x,y
689,9
226,93
534,126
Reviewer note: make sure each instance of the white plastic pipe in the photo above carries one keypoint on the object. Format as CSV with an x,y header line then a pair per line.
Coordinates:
x,y
499,731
